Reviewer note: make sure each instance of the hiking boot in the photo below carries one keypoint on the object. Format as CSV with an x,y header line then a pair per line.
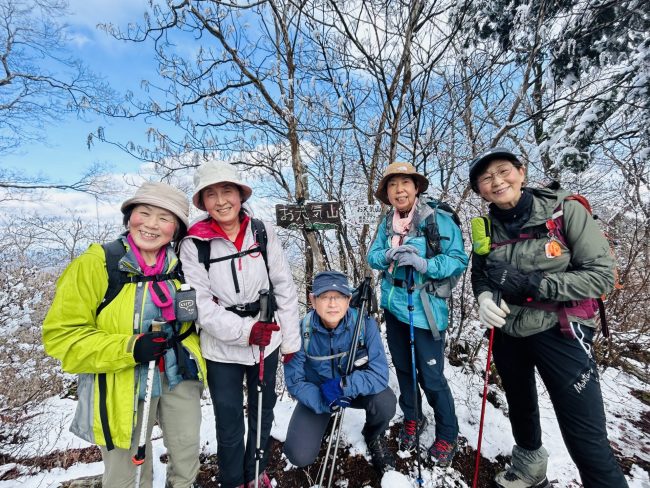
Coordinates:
x,y
262,482
442,452
382,459
509,479
406,437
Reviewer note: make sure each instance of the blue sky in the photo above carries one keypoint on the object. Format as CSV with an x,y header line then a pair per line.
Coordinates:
x,y
62,154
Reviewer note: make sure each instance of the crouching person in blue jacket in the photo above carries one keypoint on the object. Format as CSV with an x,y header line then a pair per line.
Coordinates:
x,y
314,375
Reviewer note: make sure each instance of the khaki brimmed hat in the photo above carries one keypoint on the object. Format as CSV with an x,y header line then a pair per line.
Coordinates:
x,y
160,195
406,169
215,171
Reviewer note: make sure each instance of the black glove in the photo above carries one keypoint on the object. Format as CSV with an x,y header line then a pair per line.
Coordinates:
x,y
150,347
512,282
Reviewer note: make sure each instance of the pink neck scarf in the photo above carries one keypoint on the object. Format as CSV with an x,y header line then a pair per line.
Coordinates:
x,y
401,226
158,291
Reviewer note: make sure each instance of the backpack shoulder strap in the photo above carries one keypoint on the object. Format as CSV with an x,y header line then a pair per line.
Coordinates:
x,y
203,250
388,219
556,223
306,331
259,233
114,251
431,225
432,234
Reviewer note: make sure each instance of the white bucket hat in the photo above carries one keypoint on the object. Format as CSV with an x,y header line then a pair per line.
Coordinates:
x,y
216,171
160,195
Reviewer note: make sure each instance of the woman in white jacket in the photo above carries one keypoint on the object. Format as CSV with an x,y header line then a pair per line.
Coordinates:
x,y
222,260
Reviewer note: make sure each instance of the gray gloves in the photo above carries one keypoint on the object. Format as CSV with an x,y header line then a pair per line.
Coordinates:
x,y
410,259
393,252
407,255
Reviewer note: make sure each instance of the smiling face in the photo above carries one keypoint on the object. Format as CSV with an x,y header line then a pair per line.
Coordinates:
x,y
402,192
151,228
223,202
331,307
500,183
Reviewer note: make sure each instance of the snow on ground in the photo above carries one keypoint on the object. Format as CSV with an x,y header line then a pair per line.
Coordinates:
x,y
50,433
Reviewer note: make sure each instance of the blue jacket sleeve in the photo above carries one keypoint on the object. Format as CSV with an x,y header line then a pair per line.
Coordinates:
x,y
374,379
302,390
377,254
453,260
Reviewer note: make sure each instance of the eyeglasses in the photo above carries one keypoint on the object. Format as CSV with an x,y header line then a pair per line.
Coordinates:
x,y
502,172
338,298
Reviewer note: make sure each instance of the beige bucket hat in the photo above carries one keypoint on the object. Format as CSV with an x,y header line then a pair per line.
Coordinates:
x,y
160,195
216,171
399,168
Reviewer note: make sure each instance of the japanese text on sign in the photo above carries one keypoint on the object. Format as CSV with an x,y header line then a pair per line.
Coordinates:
x,y
365,214
314,215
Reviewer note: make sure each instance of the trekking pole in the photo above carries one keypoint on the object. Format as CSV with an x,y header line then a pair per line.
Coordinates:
x,y
139,457
410,285
336,431
497,299
364,294
266,315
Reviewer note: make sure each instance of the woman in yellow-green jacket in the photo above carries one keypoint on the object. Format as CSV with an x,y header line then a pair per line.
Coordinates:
x,y
108,340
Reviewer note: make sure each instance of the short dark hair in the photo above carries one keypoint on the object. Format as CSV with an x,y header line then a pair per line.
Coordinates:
x,y
413,179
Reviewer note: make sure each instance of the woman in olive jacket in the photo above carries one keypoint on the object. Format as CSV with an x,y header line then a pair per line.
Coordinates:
x,y
549,261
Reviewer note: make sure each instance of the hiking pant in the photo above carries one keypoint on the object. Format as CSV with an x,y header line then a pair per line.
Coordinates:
x,y
235,457
306,428
568,370
178,412
430,364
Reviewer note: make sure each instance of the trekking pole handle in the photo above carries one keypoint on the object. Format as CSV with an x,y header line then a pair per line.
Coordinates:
x,y
366,291
410,278
266,314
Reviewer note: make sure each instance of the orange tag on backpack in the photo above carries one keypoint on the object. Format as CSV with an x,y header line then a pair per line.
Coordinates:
x,y
552,249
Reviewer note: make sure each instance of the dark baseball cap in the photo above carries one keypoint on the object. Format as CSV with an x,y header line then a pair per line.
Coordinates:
x,y
331,281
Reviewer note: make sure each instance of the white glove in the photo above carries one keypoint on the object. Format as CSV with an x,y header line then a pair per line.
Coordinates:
x,y
489,313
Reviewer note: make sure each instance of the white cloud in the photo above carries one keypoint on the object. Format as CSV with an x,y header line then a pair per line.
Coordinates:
x,y
79,40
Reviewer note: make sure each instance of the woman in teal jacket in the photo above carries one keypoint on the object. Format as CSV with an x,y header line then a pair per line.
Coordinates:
x,y
401,242
110,345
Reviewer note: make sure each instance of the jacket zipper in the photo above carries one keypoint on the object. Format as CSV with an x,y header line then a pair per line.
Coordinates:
x,y
331,333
